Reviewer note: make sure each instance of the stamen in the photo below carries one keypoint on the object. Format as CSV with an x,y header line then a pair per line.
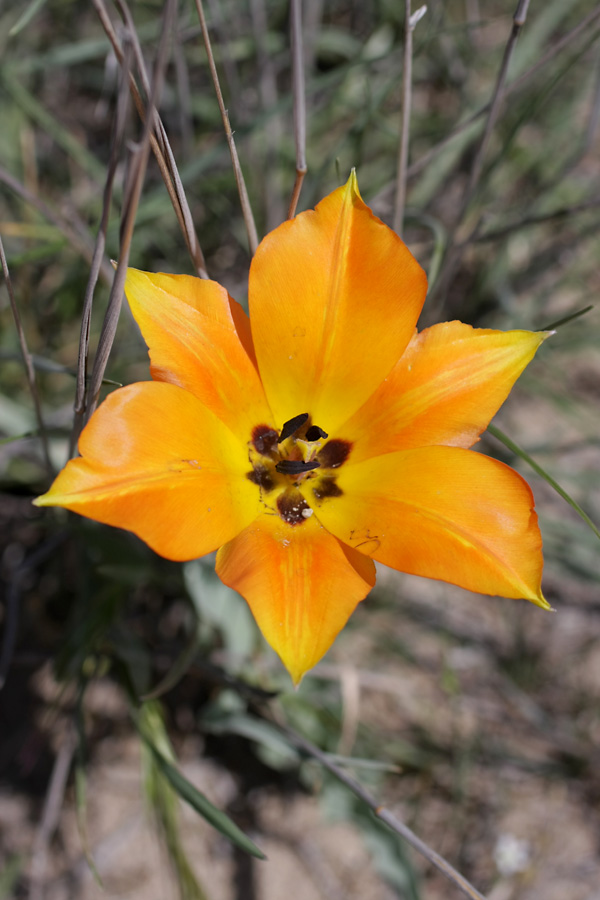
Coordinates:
x,y
296,466
314,433
291,426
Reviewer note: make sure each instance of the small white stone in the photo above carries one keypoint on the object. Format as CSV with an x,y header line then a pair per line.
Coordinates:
x,y
511,855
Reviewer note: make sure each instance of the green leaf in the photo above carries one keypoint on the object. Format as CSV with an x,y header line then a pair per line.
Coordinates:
x,y
504,439
202,805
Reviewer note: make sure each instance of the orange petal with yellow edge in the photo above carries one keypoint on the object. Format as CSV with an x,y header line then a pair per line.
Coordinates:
x,y
301,583
157,462
441,512
199,339
334,298
450,381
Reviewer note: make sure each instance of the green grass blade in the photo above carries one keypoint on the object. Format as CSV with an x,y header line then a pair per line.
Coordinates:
x,y
186,790
580,312
176,672
514,448
26,17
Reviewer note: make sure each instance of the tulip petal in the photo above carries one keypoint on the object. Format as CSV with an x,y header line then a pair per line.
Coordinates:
x,y
334,298
441,512
301,583
157,462
444,390
199,339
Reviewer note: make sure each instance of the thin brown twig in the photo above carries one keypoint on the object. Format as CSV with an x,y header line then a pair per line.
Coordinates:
x,y
27,362
410,22
160,145
184,95
237,169
299,96
225,34
117,136
50,815
511,88
82,242
131,197
456,248
498,95
388,818
529,221
267,87
165,157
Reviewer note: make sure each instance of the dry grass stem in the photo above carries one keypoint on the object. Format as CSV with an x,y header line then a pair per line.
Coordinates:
x,y
237,169
494,108
392,821
82,243
131,197
299,97
410,23
165,158
27,362
456,249
511,88
529,221
117,137
267,88
158,140
50,815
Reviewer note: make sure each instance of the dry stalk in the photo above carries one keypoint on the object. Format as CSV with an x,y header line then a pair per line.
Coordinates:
x,y
456,249
392,821
299,97
81,242
27,362
117,137
132,193
513,87
410,23
237,169
158,140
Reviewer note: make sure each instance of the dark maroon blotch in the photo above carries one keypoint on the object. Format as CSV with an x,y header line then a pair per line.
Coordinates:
x,y
291,506
261,475
327,487
334,453
264,439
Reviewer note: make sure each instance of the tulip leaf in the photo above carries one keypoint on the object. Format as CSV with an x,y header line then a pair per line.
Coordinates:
x,y
215,817
504,439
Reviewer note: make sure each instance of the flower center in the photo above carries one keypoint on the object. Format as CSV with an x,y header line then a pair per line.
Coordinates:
x,y
295,469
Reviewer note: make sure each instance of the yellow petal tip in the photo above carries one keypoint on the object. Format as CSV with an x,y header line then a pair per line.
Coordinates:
x,y
352,190
541,601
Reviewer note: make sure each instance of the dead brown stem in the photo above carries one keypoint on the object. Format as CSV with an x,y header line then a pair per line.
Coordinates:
x,y
158,140
131,197
299,102
237,169
27,362
410,23
84,338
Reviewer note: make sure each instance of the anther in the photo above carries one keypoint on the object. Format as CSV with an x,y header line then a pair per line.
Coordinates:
x,y
296,466
292,426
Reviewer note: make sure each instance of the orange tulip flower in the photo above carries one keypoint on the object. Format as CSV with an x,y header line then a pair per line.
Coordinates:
x,y
315,437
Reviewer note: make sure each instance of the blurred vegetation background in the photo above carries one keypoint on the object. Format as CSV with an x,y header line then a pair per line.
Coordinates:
x,y
129,681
